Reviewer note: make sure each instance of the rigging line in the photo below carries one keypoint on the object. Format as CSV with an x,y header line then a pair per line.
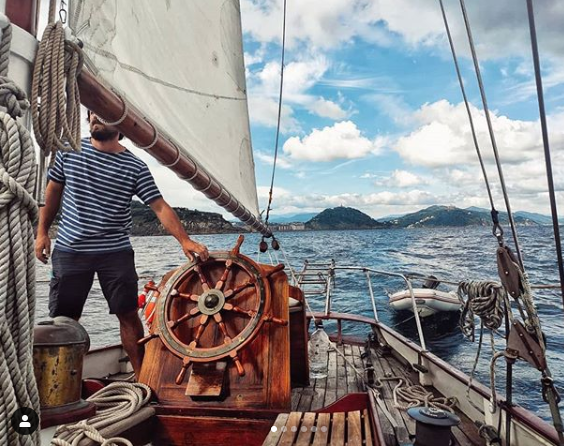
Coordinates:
x,y
466,103
491,132
547,157
279,114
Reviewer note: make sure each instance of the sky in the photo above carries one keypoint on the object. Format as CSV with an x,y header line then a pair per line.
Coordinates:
x,y
373,116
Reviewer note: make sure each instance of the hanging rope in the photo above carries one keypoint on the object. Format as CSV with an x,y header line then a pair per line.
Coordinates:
x,y
483,299
54,92
18,213
114,403
279,115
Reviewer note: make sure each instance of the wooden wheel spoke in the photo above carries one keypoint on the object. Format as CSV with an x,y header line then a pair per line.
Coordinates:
x,y
192,297
193,312
238,364
221,282
219,320
200,331
232,293
182,373
236,309
203,279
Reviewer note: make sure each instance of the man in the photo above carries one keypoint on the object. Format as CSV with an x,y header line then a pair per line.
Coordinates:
x,y
96,187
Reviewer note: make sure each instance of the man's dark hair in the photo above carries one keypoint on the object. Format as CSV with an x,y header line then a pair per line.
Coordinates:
x,y
120,137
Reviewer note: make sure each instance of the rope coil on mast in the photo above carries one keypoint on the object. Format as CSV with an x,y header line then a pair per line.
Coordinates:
x,y
55,96
18,213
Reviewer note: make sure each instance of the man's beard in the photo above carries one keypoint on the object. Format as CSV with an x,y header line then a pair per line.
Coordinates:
x,y
104,135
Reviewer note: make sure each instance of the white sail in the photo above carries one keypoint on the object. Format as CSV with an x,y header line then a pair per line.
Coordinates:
x,y
181,64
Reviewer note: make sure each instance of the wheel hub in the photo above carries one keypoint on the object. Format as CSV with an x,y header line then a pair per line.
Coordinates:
x,y
211,302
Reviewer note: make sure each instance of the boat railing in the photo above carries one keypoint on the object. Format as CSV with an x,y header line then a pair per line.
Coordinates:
x,y
369,272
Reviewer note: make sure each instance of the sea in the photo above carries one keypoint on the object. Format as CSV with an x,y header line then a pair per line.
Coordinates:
x,y
451,254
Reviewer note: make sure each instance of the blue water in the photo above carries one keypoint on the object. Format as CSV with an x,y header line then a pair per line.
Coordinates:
x,y
449,253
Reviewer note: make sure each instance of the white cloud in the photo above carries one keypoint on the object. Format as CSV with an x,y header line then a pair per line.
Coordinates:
x,y
264,111
373,204
328,109
443,137
500,28
268,159
299,77
401,178
343,140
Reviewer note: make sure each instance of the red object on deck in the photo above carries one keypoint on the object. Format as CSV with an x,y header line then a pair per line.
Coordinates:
x,y
141,300
90,387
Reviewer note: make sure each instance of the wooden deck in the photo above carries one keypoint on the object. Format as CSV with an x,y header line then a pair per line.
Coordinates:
x,y
343,379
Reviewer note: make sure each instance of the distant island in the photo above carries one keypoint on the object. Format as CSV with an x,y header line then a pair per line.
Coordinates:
x,y
434,216
343,218
146,223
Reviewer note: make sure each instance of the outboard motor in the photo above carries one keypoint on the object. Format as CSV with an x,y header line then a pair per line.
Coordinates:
x,y
431,284
59,347
433,426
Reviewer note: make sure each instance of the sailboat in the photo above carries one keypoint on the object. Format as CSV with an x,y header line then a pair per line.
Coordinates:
x,y
231,341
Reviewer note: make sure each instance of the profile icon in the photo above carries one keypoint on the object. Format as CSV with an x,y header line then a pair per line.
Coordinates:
x,y
25,421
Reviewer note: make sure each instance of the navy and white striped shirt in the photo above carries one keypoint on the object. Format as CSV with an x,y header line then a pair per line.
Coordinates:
x,y
99,186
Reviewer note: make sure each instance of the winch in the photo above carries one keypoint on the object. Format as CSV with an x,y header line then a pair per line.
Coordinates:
x,y
59,347
433,426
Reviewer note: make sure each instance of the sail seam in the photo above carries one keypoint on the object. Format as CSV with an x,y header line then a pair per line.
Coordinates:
x,y
156,80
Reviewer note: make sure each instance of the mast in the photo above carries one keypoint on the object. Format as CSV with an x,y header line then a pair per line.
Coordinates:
x,y
104,102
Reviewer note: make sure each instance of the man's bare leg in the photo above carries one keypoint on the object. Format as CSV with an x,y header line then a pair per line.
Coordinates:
x,y
131,330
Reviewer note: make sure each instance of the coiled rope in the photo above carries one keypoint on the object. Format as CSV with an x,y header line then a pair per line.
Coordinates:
x,y
408,396
18,213
405,395
54,92
114,403
485,299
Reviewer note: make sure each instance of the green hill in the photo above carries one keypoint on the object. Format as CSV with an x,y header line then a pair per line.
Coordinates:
x,y
343,218
453,216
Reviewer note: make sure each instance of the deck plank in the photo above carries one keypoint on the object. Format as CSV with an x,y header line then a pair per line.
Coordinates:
x,y
367,428
274,437
322,429
354,430
359,366
341,374
331,389
394,368
305,400
305,433
402,430
296,395
338,429
289,435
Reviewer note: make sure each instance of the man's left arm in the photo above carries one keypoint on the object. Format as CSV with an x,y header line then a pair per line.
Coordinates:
x,y
172,224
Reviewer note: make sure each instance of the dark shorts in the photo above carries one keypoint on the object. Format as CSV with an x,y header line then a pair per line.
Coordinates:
x,y
73,274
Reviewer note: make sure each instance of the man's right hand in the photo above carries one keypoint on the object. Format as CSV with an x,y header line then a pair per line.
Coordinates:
x,y
43,248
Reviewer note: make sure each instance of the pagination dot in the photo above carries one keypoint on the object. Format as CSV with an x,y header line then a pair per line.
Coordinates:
x,y
273,428
323,428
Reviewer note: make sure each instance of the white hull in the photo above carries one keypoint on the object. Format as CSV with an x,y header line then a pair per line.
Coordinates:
x,y
427,301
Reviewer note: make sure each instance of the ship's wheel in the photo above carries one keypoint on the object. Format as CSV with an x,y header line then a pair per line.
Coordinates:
x,y
210,311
